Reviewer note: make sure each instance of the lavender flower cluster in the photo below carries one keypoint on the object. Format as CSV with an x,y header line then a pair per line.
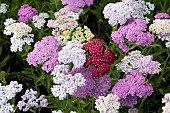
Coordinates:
x,y
135,31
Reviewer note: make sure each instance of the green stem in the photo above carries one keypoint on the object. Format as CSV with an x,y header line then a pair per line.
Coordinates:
x,y
141,104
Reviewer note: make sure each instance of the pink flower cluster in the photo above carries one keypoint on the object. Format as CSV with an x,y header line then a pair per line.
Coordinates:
x,y
162,15
26,12
98,56
74,6
131,87
64,20
45,52
135,31
93,86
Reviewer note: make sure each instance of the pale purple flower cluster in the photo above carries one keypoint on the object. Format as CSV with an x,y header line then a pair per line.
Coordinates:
x,y
135,31
6,93
45,52
26,12
166,100
133,110
161,15
65,82
29,99
75,6
135,60
64,20
94,86
72,53
131,87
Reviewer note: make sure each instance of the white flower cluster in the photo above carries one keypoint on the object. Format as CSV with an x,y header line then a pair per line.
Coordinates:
x,y
121,11
3,8
59,111
147,8
29,100
6,93
165,36
65,83
39,20
20,33
129,62
108,104
135,60
72,53
166,100
160,26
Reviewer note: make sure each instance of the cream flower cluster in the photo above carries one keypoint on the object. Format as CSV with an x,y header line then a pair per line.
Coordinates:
x,y
65,83
160,26
20,32
166,100
3,8
108,104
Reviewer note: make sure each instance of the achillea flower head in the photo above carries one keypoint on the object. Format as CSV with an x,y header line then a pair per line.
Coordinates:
x,y
39,20
166,100
133,110
3,8
45,52
160,26
100,57
120,12
65,82
75,6
165,36
29,99
162,15
108,104
6,93
64,20
131,87
72,53
135,31
26,12
135,60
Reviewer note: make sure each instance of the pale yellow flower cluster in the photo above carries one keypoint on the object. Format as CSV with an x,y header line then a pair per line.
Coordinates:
x,y
160,26
19,29
82,34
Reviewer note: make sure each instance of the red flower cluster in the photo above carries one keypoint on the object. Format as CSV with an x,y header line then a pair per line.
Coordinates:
x,y
98,56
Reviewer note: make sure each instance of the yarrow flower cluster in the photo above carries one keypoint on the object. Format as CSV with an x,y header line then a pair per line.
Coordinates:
x,y
98,56
20,33
3,8
45,52
108,104
65,82
64,21
135,60
26,12
131,87
39,20
72,53
6,93
93,86
75,6
59,111
119,12
160,26
162,15
166,100
29,99
135,31
133,110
